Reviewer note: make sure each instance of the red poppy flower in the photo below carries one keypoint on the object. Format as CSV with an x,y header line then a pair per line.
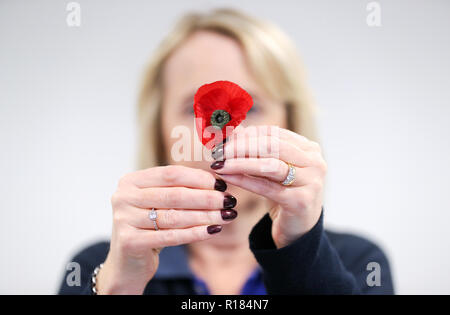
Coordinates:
x,y
221,104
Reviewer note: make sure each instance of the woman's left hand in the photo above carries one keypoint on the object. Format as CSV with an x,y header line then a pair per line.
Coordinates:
x,y
256,158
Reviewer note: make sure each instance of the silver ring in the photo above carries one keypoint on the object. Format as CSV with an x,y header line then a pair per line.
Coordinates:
x,y
152,216
290,178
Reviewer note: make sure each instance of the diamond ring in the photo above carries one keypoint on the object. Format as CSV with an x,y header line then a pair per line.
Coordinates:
x,y
152,216
290,178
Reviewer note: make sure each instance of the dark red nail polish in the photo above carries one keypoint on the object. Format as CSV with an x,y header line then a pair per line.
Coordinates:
x,y
213,229
217,165
220,185
228,214
229,202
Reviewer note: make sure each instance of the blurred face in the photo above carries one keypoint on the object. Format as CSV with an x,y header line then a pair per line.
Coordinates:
x,y
204,58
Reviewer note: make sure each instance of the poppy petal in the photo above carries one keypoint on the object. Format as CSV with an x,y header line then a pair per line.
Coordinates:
x,y
221,105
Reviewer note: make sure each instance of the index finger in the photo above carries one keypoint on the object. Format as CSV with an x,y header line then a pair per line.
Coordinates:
x,y
275,131
172,176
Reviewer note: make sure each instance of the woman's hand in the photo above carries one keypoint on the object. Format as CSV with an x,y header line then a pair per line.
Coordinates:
x,y
255,159
191,206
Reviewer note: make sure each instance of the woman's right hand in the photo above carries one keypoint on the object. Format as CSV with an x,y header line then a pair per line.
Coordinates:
x,y
191,206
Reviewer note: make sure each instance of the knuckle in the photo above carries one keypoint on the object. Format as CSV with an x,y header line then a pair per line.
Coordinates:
x,y
315,158
271,166
274,130
171,197
114,199
317,183
274,146
310,159
315,146
319,162
136,197
303,200
170,174
282,169
117,199
171,218
302,137
118,217
170,238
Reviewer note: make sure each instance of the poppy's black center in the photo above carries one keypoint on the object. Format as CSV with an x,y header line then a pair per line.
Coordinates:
x,y
220,118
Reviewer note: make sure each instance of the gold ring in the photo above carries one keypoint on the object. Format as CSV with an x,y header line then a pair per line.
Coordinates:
x,y
290,177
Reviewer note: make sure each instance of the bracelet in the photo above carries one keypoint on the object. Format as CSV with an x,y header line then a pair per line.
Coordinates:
x,y
94,279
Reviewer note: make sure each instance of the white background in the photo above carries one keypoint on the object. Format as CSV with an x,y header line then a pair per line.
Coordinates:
x,y
67,125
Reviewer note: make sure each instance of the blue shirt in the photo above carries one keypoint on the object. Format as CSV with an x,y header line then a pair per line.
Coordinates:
x,y
253,286
173,262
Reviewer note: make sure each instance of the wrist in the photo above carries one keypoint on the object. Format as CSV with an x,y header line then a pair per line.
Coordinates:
x,y
296,229
110,282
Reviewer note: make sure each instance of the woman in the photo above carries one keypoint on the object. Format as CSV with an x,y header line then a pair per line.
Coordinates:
x,y
277,244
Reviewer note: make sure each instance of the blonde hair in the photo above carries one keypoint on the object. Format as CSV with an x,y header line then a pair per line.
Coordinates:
x,y
271,57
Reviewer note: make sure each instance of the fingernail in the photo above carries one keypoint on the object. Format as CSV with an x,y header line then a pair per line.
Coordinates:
x,y
229,202
213,229
220,185
217,153
217,165
228,214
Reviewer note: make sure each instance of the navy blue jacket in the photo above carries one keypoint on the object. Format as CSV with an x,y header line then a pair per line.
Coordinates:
x,y
319,262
